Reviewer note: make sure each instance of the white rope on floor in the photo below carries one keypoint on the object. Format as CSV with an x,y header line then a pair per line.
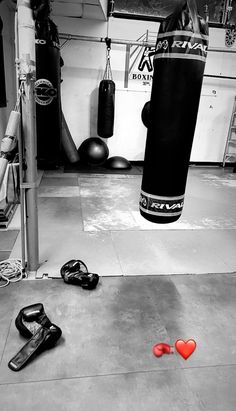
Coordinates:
x,y
11,271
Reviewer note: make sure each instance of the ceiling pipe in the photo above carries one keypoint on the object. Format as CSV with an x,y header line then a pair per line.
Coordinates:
x,y
68,37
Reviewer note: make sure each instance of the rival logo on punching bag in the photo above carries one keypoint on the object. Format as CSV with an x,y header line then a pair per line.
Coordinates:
x,y
44,92
181,44
161,206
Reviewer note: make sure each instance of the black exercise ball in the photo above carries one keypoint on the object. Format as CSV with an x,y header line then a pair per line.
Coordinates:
x,y
93,151
145,115
118,163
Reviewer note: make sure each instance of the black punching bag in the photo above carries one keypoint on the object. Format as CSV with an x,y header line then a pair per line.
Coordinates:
x,y
145,114
47,91
179,63
3,100
106,100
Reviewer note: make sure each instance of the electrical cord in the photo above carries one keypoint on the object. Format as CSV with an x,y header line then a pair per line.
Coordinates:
x,y
11,271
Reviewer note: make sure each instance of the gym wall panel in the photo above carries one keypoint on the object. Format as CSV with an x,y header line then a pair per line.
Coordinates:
x,y
216,103
211,128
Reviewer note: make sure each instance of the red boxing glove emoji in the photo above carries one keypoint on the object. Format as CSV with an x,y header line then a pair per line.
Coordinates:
x,y
162,348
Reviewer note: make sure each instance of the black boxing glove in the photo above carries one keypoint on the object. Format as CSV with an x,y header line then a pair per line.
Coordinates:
x,y
75,272
32,322
30,319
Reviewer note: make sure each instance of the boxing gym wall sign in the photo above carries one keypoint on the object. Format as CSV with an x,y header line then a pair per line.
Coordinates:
x,y
140,62
141,68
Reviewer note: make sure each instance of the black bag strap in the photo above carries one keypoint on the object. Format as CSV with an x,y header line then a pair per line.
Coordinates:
x,y
170,23
194,15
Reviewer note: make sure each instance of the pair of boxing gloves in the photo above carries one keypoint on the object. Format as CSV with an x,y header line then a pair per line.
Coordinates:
x,y
33,323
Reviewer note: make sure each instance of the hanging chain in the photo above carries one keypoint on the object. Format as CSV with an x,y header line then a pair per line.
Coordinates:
x,y
206,13
108,72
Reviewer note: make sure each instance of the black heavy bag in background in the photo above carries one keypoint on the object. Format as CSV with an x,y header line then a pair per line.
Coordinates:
x,y
3,100
106,108
145,114
179,63
106,101
48,98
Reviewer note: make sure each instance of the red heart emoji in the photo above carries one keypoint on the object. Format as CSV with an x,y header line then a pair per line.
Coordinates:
x,y
185,348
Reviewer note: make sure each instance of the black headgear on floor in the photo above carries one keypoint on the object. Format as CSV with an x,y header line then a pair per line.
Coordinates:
x,y
76,272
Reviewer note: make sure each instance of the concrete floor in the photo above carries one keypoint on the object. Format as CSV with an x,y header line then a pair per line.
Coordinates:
x,y
104,359
96,218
